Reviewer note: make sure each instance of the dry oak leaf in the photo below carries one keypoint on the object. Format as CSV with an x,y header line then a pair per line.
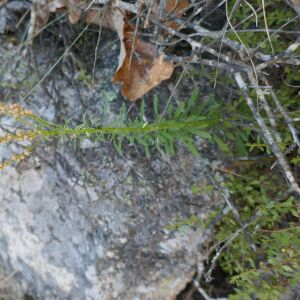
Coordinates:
x,y
42,9
140,68
171,8
177,8
74,8
2,2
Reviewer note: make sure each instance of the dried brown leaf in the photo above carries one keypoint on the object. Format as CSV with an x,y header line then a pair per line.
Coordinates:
x,y
2,2
140,69
74,8
177,8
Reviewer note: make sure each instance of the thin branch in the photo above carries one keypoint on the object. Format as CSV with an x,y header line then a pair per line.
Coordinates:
x,y
268,135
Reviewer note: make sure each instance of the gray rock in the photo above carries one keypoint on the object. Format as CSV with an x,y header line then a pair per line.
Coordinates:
x,y
90,223
3,16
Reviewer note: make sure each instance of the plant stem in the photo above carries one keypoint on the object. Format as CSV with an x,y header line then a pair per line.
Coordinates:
x,y
124,130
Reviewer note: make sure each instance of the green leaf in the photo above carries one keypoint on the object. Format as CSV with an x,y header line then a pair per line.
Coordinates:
x,y
220,143
201,107
295,213
180,109
118,144
195,189
123,112
170,110
203,134
193,99
155,105
240,145
191,146
287,268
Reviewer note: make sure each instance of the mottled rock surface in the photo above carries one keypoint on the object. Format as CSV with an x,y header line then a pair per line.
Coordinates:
x,y
90,223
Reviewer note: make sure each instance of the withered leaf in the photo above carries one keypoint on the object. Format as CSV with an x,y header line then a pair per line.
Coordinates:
x,y
74,8
171,8
140,68
177,8
2,2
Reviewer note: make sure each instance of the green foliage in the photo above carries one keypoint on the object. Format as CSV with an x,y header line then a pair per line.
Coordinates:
x,y
197,117
199,190
252,30
183,124
192,221
86,78
275,265
257,191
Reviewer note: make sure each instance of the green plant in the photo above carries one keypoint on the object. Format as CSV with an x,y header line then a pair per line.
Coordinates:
x,y
274,266
260,237
273,17
271,216
181,124
261,245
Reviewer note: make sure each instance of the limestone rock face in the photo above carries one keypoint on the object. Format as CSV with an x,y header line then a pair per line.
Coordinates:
x,y
88,223
105,240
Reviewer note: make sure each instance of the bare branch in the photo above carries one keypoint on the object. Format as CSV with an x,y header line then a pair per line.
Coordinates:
x,y
268,135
